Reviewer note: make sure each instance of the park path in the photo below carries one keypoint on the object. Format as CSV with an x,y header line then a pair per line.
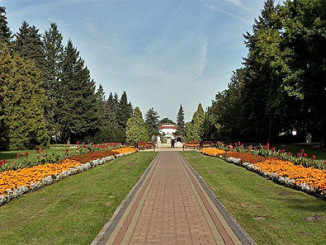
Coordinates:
x,y
172,205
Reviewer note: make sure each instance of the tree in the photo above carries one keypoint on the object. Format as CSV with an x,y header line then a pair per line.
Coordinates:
x,y
194,130
124,111
225,113
78,114
166,121
5,33
304,60
136,127
151,119
22,98
53,53
29,45
181,121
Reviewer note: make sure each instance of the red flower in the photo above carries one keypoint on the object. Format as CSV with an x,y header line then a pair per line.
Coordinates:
x,y
66,150
305,155
267,146
41,149
18,155
26,153
4,161
1,163
289,153
273,149
313,157
299,155
37,151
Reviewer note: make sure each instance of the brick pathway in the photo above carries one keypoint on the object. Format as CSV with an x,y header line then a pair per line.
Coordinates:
x,y
172,207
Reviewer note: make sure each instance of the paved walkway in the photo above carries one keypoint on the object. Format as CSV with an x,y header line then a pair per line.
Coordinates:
x,y
172,206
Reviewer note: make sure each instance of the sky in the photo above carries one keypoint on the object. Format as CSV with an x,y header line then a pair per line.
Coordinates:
x,y
163,53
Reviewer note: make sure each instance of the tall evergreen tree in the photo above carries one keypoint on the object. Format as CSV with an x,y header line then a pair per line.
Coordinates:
x,y
136,127
78,115
181,121
151,119
53,53
194,130
5,33
29,45
125,111
22,98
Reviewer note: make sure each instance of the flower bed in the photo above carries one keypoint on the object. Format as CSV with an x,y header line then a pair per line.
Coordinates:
x,y
213,152
15,183
307,179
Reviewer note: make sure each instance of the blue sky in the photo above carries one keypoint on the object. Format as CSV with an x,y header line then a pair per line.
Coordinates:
x,y
162,52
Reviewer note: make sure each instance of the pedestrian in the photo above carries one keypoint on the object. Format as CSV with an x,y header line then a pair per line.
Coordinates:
x,y
172,142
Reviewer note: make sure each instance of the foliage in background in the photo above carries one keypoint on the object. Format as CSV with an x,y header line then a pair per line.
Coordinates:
x,y
136,127
282,84
152,121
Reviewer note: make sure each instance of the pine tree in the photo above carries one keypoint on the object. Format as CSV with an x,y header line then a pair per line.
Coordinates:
x,y
5,33
29,45
53,52
78,115
151,119
194,130
116,134
124,111
136,127
22,98
181,121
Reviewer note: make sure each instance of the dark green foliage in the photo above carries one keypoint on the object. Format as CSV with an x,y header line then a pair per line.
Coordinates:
x,y
78,114
5,33
181,121
124,111
29,45
166,121
152,121
282,84
53,53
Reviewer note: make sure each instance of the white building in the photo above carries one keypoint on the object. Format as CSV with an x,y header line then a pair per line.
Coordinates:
x,y
168,130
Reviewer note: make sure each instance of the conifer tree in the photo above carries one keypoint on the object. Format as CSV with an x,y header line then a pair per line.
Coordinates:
x,y
5,33
78,115
29,45
136,127
124,111
22,98
180,121
194,129
53,52
151,119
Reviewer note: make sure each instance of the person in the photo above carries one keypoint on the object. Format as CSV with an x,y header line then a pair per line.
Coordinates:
x,y
172,142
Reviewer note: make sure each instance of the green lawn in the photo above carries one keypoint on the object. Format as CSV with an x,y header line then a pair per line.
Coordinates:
x,y
309,149
11,155
75,209
270,213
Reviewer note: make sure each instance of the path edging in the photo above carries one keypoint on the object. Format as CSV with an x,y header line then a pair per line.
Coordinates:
x,y
108,228
243,236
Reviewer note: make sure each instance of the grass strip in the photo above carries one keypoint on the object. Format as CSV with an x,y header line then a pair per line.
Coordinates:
x,y
270,213
75,209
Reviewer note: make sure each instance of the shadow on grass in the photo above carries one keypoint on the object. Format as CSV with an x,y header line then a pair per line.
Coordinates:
x,y
8,155
304,204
